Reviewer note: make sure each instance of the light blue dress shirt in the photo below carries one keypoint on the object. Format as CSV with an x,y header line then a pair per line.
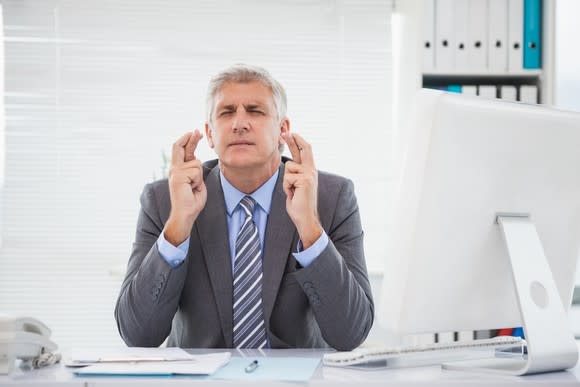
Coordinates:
x,y
175,256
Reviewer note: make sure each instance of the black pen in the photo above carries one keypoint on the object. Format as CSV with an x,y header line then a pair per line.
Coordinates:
x,y
252,366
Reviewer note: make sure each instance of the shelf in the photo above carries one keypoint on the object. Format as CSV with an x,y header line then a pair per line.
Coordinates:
x,y
484,74
529,78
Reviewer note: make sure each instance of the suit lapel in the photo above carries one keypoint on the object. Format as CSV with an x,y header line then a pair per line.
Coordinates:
x,y
212,228
280,233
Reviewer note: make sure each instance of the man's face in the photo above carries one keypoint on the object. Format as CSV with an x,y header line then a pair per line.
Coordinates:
x,y
246,131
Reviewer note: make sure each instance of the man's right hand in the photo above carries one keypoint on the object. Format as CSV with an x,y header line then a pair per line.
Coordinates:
x,y
186,188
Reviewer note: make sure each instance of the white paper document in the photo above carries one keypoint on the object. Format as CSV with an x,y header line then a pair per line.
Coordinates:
x,y
199,365
126,354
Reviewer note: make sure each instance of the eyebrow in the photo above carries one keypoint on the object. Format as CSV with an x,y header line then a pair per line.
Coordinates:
x,y
232,107
227,107
254,106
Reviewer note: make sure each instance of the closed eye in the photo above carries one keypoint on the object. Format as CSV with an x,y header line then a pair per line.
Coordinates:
x,y
256,112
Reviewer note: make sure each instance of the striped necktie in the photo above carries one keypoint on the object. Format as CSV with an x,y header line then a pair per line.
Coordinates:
x,y
249,331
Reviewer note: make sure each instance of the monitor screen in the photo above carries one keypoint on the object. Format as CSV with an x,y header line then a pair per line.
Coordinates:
x,y
469,159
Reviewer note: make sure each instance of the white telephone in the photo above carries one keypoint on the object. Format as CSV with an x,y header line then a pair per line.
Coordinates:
x,y
22,338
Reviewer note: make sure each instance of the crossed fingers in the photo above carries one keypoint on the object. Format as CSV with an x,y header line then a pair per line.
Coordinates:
x,y
301,150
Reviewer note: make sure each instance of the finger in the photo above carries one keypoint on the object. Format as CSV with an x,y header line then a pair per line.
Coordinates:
x,y
305,150
293,167
288,186
184,173
186,166
178,149
288,138
191,145
188,176
195,181
197,185
289,193
191,164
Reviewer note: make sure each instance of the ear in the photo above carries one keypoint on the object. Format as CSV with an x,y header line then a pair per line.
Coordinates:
x,y
208,135
284,128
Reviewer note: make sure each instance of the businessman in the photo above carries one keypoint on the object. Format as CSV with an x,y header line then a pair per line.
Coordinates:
x,y
252,250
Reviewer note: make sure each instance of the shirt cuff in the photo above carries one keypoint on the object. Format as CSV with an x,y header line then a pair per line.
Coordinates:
x,y
307,256
174,256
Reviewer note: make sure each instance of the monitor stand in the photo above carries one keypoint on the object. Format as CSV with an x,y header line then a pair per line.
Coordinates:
x,y
551,345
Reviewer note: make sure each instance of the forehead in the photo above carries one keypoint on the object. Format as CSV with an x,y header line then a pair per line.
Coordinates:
x,y
244,93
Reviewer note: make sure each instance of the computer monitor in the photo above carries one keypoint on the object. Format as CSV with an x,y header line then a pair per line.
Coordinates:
x,y
487,226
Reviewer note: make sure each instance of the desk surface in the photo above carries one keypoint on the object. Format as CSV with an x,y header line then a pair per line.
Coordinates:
x,y
58,375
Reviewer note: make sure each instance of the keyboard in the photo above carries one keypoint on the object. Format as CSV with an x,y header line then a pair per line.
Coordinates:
x,y
433,351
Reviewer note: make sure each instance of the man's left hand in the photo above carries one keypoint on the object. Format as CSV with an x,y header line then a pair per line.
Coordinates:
x,y
301,188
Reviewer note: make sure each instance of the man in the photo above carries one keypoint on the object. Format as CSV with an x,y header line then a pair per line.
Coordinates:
x,y
251,250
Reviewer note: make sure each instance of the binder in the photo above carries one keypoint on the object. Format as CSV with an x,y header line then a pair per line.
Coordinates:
x,y
462,48
465,336
478,21
484,334
445,337
442,88
515,35
529,94
444,35
487,91
419,339
532,34
505,332
508,92
469,89
428,35
497,37
519,332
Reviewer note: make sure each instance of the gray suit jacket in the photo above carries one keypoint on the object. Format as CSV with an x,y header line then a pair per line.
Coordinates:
x,y
327,303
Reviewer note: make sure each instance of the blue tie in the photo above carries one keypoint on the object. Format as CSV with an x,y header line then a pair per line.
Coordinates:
x,y
249,331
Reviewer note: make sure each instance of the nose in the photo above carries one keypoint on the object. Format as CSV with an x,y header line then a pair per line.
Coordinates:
x,y
240,123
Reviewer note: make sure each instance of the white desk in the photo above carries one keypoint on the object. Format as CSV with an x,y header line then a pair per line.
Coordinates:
x,y
58,375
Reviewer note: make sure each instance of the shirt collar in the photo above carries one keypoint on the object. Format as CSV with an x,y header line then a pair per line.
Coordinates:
x,y
263,195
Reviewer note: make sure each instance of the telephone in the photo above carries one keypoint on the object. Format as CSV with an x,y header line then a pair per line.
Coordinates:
x,y
24,338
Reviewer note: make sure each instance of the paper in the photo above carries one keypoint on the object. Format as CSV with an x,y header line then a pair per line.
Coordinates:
x,y
126,354
291,369
199,365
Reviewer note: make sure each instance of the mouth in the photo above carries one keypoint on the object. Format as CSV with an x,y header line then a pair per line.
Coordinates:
x,y
241,143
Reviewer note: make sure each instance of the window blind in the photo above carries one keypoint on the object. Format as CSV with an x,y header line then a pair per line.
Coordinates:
x,y
97,91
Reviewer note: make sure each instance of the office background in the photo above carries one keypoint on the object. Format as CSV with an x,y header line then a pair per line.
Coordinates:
x,y
95,92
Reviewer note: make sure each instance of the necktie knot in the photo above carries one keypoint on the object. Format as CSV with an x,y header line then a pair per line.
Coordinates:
x,y
248,204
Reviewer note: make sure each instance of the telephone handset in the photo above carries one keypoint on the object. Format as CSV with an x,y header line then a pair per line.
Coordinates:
x,y
23,338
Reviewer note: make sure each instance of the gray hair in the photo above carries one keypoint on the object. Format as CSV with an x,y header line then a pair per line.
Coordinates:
x,y
242,73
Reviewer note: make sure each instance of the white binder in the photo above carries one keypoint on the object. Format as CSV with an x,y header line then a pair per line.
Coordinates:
x,y
515,35
529,94
462,48
498,35
445,337
428,35
444,35
469,90
487,91
465,336
418,339
478,20
508,92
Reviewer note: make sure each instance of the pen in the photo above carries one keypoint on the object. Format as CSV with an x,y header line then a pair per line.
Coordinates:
x,y
252,366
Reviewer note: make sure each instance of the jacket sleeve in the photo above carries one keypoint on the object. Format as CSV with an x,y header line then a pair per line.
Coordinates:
x,y
336,282
150,292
